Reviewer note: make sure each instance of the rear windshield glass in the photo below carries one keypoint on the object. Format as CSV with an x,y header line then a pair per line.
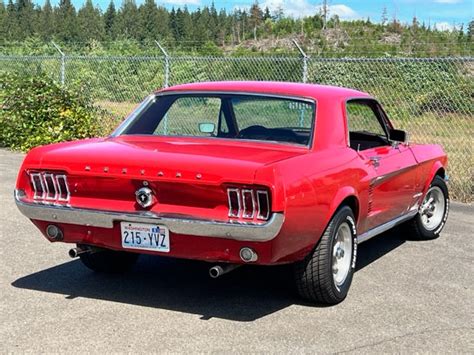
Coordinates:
x,y
250,117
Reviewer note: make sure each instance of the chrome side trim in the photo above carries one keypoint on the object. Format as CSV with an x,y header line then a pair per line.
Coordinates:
x,y
386,226
105,219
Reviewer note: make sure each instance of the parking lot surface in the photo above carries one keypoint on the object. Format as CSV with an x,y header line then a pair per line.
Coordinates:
x,y
406,296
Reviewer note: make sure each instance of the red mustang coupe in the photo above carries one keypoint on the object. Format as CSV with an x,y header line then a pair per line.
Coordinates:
x,y
239,172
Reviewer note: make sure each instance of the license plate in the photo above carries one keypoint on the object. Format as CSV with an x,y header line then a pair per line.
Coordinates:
x,y
145,236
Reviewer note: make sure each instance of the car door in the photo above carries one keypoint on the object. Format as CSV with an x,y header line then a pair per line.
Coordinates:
x,y
391,167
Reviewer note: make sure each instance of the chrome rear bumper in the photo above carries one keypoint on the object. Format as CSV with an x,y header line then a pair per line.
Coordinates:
x,y
188,226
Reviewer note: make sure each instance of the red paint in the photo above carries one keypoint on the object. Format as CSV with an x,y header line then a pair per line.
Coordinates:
x,y
306,184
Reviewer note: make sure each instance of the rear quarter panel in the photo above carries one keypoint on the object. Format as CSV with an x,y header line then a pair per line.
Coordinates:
x,y
309,190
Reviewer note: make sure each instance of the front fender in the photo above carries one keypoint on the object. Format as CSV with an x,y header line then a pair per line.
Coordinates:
x,y
434,169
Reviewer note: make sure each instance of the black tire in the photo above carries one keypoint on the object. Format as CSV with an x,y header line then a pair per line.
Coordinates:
x,y
416,230
314,276
109,261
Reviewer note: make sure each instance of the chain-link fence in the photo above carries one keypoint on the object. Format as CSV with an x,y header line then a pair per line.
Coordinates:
x,y
431,98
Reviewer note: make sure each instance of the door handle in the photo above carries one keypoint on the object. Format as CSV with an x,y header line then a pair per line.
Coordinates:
x,y
375,161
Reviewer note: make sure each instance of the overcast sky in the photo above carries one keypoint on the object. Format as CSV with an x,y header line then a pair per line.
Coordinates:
x,y
441,13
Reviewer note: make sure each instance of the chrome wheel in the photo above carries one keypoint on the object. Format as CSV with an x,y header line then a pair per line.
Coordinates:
x,y
432,209
341,254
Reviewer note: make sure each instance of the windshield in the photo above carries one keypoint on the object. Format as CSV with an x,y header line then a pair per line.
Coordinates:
x,y
230,116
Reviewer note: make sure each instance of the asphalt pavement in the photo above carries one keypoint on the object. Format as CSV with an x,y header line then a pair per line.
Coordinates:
x,y
406,296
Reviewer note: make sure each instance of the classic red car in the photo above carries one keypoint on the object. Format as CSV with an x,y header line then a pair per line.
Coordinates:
x,y
239,172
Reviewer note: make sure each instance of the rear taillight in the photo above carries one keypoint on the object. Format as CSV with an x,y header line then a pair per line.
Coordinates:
x,y
49,187
247,203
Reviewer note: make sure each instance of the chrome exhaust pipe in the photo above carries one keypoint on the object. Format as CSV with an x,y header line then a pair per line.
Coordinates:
x,y
219,270
75,252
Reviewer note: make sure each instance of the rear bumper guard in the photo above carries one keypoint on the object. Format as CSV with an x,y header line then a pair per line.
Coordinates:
x,y
188,226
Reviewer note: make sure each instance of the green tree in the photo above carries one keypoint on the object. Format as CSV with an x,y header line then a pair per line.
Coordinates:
x,y
12,28
65,20
3,20
154,21
109,20
26,18
46,21
256,18
128,19
90,23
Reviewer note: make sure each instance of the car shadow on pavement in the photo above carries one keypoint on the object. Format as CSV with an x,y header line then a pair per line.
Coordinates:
x,y
246,294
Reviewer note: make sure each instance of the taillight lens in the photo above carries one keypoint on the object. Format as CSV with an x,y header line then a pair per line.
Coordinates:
x,y
49,186
249,203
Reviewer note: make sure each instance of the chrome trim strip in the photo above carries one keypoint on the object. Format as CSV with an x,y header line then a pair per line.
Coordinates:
x,y
386,226
105,219
382,178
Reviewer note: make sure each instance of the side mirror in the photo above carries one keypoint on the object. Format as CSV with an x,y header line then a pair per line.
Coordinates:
x,y
398,135
207,127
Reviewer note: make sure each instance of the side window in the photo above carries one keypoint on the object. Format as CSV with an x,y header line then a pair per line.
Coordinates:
x,y
365,130
361,118
186,114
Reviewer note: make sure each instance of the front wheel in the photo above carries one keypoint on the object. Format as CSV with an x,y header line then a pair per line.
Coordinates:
x,y
325,275
432,214
109,261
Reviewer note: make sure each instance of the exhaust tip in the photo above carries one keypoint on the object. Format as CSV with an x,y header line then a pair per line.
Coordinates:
x,y
75,252
215,272
54,233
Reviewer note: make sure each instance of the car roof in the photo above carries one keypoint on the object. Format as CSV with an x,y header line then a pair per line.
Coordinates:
x,y
316,92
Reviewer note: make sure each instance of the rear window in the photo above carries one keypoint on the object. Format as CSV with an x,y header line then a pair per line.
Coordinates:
x,y
229,116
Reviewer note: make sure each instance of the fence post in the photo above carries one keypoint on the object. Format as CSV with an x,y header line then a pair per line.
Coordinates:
x,y
305,61
63,63
167,64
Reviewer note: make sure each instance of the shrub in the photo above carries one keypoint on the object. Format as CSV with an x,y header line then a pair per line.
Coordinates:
x,y
36,111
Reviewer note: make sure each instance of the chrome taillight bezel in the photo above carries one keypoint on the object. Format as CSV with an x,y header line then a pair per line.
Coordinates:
x,y
244,209
34,182
67,193
50,195
259,207
235,191
49,187
247,203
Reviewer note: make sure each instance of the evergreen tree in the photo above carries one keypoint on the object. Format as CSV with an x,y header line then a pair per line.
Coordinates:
x,y
256,18
90,23
128,19
470,30
3,20
26,18
46,23
12,27
109,20
66,21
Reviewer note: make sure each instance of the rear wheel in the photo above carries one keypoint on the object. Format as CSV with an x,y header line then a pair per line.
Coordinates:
x,y
432,214
325,275
109,261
